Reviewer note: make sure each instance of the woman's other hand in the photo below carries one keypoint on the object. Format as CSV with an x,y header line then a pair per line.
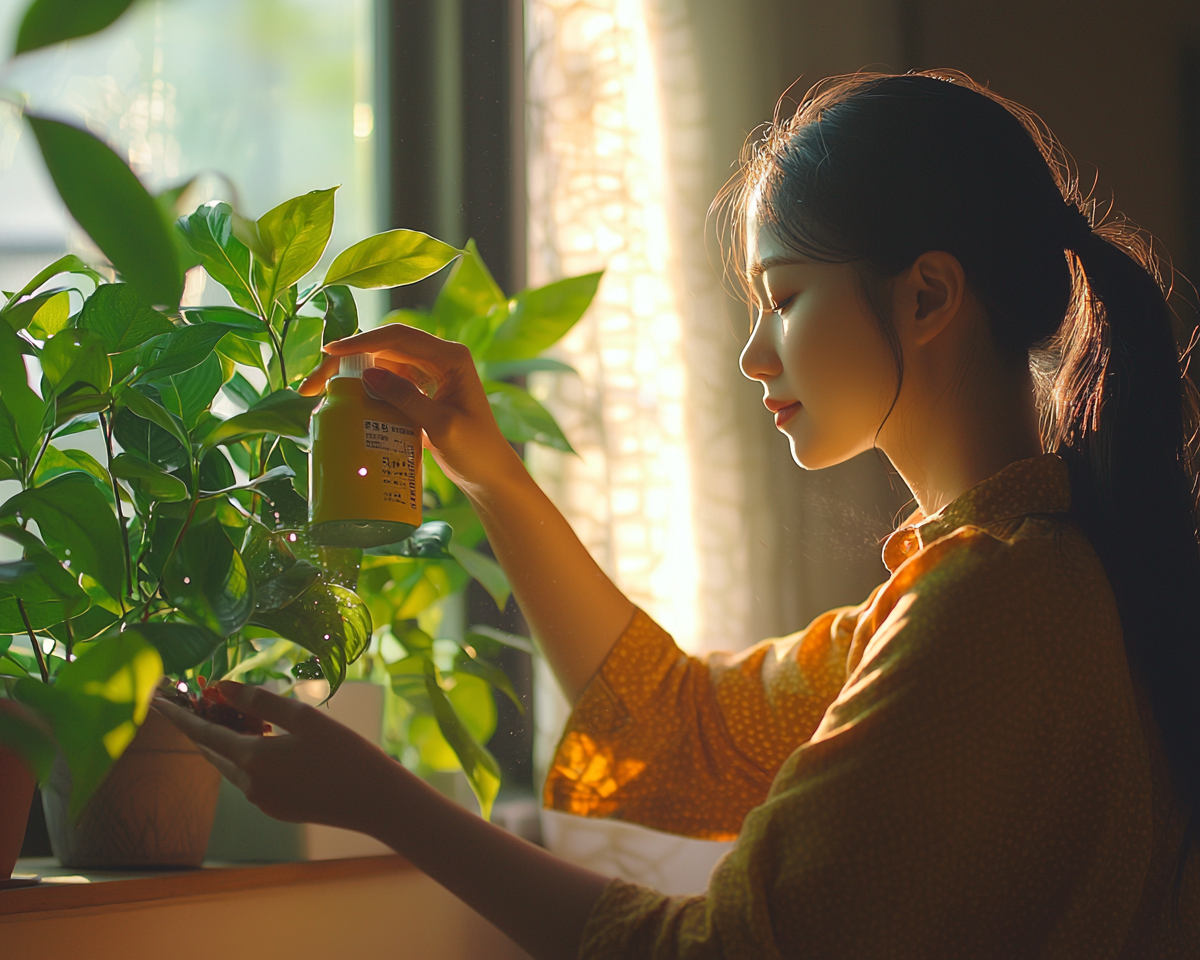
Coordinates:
x,y
319,771
434,382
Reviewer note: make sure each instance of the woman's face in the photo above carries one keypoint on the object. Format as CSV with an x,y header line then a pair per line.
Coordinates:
x,y
827,371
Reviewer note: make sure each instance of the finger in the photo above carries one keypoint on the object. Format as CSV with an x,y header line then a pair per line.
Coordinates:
x,y
315,382
229,770
405,396
418,376
292,715
217,738
398,341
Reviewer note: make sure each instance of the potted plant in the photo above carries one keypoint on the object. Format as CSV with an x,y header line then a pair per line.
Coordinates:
x,y
183,549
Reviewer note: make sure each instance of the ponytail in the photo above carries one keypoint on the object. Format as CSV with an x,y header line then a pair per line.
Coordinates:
x,y
1121,422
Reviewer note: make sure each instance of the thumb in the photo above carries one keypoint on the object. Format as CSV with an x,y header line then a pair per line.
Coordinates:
x,y
404,395
292,715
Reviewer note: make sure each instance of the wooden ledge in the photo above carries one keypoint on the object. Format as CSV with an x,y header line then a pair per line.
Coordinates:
x,y
98,888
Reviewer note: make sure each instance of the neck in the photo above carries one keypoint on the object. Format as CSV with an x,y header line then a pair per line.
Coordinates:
x,y
972,427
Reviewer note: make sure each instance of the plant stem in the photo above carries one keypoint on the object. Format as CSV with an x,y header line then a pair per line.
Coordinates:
x,y
106,430
287,322
37,650
70,638
38,459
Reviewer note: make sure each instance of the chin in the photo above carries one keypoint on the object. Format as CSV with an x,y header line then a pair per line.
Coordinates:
x,y
812,451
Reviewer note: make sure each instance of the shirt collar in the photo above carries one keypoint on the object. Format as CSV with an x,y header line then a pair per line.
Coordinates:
x,y
1037,486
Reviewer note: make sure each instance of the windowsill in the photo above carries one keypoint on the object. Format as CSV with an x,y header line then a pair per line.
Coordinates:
x,y
63,888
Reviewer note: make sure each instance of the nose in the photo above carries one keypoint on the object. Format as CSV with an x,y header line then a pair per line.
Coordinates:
x,y
759,359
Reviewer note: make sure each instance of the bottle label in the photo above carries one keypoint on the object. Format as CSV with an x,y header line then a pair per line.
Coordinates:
x,y
398,449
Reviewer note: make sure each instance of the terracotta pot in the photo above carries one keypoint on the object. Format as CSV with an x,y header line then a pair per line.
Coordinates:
x,y
16,794
154,809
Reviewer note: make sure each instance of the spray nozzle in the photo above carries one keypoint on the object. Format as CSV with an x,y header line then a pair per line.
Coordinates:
x,y
354,365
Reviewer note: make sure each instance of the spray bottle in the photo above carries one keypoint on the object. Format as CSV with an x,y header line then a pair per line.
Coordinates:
x,y
365,484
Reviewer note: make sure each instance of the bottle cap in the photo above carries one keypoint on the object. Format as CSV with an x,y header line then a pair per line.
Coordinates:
x,y
354,365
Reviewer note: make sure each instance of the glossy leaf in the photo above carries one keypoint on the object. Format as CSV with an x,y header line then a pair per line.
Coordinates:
x,y
65,264
189,394
52,21
142,406
294,235
76,357
207,580
486,570
341,314
209,232
302,349
430,541
119,315
173,353
78,524
181,645
297,458
150,479
106,199
45,313
39,577
468,293
275,473
95,706
283,412
28,737
467,662
242,390
241,322
25,409
327,620
390,259
522,419
539,318
56,462
480,767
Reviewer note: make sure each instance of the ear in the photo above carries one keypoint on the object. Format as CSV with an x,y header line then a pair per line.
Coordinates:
x,y
928,296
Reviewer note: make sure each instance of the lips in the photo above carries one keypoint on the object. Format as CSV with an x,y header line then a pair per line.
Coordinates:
x,y
784,414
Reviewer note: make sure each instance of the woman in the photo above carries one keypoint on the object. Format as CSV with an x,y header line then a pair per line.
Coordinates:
x,y
995,755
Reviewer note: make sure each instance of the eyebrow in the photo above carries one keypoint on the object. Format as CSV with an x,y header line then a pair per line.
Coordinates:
x,y
759,267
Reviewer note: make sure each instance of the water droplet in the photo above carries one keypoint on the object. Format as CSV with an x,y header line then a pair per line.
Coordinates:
x,y
362,471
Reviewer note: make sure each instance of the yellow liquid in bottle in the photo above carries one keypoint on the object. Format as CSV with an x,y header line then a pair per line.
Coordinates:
x,y
365,484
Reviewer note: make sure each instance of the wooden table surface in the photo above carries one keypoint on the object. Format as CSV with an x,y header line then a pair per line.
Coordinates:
x,y
362,908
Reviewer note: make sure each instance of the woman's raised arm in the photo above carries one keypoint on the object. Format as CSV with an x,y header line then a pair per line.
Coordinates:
x,y
575,611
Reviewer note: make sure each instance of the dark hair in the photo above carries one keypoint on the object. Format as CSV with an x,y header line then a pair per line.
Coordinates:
x,y
877,169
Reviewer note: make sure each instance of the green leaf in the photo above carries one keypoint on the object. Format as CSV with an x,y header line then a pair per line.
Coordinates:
x,y
55,463
309,669
469,292
538,318
106,199
207,580
483,773
52,21
486,570
341,314
275,473
522,419
242,322
327,620
240,389
95,706
150,479
142,406
430,541
390,259
77,522
467,661
180,350
39,577
66,264
209,232
506,369
294,234
181,645
296,458
284,413
279,578
241,350
118,314
74,357
24,406
189,394
28,737
47,312
302,348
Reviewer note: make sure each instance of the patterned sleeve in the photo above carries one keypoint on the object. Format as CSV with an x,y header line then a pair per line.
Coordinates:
x,y
689,745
